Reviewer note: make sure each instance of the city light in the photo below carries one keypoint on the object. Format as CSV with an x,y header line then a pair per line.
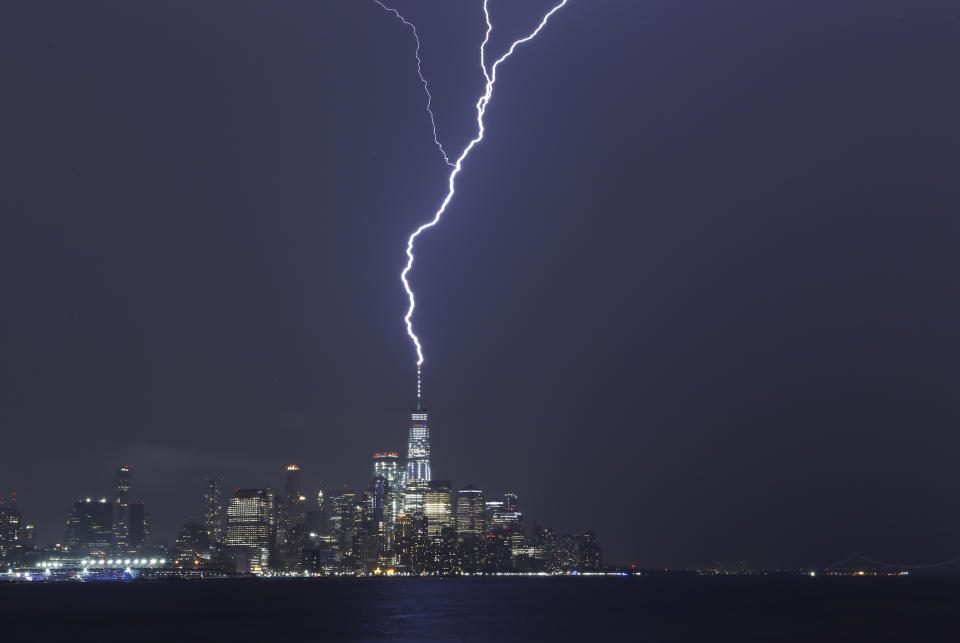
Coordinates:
x,y
402,526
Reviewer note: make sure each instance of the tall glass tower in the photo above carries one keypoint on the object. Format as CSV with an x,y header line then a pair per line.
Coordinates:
x,y
418,461
387,487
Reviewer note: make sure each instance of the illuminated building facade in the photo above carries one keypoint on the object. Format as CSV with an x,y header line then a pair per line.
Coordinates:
x,y
349,540
251,523
12,534
413,544
504,516
418,461
438,508
471,528
386,465
471,509
387,497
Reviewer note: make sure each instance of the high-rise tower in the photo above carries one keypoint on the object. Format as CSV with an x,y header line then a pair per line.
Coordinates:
x,y
213,511
121,512
251,523
418,460
387,488
11,531
388,495
124,482
470,513
438,507
294,502
471,527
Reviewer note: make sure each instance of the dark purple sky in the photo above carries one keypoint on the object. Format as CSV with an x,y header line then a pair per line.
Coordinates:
x,y
697,289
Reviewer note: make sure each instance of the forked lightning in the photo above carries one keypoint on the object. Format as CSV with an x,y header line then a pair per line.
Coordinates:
x,y
490,75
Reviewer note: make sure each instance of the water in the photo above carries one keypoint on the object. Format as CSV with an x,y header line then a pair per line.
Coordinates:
x,y
729,608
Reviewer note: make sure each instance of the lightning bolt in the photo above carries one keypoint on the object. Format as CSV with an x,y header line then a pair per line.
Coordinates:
x,y
426,87
490,76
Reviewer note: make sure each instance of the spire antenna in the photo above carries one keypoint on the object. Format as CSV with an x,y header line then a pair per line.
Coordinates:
x,y
419,384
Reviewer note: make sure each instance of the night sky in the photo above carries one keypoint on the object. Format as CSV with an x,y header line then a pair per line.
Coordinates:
x,y
697,289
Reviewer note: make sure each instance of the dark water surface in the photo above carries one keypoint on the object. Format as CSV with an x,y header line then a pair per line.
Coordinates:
x,y
727,608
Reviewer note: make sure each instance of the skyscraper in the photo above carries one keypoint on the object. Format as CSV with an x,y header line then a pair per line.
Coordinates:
x,y
505,516
121,510
387,496
294,502
471,527
438,507
345,514
251,523
403,541
386,465
193,546
321,521
470,513
213,511
124,482
12,535
90,527
418,461
291,536
413,545
138,526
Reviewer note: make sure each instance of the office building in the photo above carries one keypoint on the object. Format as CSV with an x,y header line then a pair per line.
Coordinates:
x,y
90,527
12,536
387,497
386,465
121,516
213,517
344,520
470,518
418,461
251,523
193,546
294,502
137,527
438,508
505,515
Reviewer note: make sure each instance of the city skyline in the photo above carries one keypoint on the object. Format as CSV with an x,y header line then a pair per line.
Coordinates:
x,y
696,283
488,320
402,522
